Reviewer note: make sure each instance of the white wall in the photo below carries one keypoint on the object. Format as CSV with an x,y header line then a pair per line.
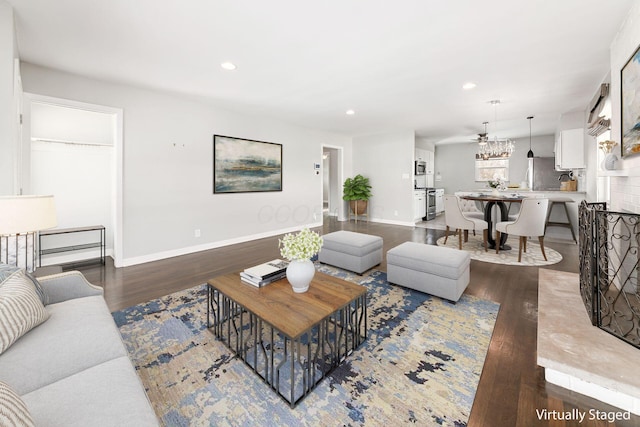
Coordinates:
x,y
168,158
80,178
625,191
387,160
456,163
52,122
425,144
8,140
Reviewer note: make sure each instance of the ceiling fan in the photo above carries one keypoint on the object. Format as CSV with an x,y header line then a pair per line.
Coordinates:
x,y
482,138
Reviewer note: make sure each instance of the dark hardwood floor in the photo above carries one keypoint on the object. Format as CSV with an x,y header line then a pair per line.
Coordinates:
x,y
512,390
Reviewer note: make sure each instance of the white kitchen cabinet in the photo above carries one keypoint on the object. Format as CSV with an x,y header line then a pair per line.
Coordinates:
x,y
569,149
430,162
428,157
419,204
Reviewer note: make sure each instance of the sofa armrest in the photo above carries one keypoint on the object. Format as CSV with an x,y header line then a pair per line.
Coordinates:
x,y
66,286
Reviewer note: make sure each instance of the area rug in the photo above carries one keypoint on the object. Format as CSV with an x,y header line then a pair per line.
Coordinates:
x,y
475,247
420,364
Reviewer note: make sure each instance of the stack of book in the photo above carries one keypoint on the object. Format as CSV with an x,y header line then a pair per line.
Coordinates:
x,y
263,274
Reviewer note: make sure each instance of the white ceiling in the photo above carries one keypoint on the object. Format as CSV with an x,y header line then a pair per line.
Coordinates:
x,y
399,65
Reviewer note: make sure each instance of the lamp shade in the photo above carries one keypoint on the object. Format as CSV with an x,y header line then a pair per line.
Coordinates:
x,y
26,214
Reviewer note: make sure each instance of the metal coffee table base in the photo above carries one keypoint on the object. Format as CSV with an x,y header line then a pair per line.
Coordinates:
x,y
291,366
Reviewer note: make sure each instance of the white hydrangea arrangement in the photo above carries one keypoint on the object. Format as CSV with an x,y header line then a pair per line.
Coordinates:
x,y
301,246
497,183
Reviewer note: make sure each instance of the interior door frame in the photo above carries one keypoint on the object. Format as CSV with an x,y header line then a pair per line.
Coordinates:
x,y
335,185
118,146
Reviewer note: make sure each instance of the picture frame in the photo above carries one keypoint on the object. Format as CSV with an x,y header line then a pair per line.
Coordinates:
x,y
245,165
630,105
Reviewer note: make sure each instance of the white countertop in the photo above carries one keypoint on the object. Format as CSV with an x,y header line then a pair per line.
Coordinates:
x,y
525,191
521,190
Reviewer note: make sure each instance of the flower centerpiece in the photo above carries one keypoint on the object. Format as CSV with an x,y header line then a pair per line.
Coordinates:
x,y
497,184
298,249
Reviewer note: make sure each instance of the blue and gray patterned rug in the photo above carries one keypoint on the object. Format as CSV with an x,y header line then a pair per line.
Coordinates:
x,y
420,365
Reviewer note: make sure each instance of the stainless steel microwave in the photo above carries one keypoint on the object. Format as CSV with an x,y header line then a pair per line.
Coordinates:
x,y
421,167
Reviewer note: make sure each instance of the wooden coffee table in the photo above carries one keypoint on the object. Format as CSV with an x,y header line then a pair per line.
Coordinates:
x,y
292,341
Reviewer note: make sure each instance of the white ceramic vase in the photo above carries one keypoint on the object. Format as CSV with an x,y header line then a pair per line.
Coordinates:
x,y
300,274
495,192
609,162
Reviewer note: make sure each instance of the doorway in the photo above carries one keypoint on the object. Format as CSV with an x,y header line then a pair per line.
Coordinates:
x,y
73,150
332,205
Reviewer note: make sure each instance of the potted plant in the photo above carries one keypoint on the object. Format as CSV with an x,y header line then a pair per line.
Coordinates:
x,y
357,191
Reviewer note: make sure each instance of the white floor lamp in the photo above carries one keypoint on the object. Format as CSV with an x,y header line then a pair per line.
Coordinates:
x,y
21,217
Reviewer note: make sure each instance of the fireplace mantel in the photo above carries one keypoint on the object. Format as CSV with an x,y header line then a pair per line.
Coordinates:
x,y
578,356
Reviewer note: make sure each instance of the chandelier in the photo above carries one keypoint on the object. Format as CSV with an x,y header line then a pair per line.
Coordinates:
x,y
496,148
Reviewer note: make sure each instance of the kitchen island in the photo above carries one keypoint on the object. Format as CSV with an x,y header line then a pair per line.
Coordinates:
x,y
557,215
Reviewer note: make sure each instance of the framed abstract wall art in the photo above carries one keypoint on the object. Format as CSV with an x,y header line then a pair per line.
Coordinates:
x,y
245,166
630,105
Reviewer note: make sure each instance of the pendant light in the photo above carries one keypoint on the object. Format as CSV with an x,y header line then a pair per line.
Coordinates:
x,y
530,153
495,148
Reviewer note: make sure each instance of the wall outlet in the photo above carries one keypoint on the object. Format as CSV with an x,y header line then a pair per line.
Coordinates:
x,y
395,213
196,232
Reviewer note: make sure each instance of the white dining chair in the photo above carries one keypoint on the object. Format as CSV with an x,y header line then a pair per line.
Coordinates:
x,y
470,209
530,223
456,220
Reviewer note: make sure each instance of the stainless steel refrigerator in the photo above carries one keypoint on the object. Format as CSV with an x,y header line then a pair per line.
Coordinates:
x,y
543,176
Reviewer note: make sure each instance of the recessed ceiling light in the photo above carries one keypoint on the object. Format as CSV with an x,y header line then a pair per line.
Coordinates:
x,y
228,66
469,85
350,112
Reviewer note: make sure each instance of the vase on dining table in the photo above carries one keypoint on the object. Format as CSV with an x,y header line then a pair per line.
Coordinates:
x,y
495,192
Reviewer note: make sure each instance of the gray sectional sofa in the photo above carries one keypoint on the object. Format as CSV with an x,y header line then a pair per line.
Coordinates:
x,y
73,369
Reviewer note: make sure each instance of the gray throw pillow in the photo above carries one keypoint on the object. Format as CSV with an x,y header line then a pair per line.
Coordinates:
x,y
20,309
8,270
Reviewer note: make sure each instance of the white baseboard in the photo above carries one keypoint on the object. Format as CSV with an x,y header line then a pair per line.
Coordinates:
x,y
392,222
212,245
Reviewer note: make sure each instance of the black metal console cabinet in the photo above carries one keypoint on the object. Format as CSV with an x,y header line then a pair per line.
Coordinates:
x,y
101,243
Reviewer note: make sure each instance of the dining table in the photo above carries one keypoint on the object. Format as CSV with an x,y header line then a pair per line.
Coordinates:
x,y
490,201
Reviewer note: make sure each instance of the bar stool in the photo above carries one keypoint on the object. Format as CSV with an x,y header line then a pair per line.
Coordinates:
x,y
560,201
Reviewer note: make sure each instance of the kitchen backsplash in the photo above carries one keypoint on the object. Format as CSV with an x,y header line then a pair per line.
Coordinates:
x,y
625,193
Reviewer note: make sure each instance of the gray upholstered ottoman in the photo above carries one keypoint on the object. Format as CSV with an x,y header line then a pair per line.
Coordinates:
x,y
355,252
436,270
